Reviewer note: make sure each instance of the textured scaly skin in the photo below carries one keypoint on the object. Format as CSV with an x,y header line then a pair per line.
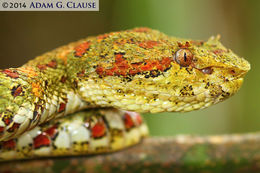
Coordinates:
x,y
140,70
89,132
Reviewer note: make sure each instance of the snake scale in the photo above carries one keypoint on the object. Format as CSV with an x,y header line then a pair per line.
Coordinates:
x,y
101,82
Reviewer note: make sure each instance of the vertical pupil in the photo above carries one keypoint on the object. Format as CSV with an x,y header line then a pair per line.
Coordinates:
x,y
185,57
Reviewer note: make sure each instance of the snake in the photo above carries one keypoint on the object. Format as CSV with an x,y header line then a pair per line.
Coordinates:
x,y
82,98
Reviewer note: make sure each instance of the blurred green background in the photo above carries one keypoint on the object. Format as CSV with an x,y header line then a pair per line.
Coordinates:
x,y
25,35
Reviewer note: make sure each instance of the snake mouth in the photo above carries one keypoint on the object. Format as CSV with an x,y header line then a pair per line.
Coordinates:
x,y
232,86
226,90
218,93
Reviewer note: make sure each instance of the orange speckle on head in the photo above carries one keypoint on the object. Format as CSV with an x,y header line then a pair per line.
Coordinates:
x,y
42,66
121,64
159,67
101,37
148,44
36,89
122,67
110,72
143,29
17,91
28,71
52,64
166,61
81,73
147,67
121,72
218,51
64,52
197,43
81,49
104,36
133,71
136,65
119,58
11,73
100,70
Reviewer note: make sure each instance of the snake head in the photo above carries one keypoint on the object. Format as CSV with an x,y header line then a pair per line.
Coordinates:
x,y
212,55
145,70
206,71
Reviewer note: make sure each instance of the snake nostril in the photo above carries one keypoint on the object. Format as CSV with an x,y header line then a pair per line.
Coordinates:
x,y
233,72
207,70
237,73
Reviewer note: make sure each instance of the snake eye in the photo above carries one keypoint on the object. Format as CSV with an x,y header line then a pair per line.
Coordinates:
x,y
183,57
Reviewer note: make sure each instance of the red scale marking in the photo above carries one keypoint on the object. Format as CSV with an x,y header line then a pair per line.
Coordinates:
x,y
2,129
52,131
14,127
63,79
197,43
42,66
17,91
7,120
98,130
143,29
101,37
139,119
122,67
112,71
41,140
9,145
218,51
148,44
81,74
128,121
11,73
81,49
104,36
62,107
52,64
100,70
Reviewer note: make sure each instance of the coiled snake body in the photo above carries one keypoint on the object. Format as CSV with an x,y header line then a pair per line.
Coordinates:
x,y
140,70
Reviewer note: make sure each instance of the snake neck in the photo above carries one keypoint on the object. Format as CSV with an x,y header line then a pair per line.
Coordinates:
x,y
35,93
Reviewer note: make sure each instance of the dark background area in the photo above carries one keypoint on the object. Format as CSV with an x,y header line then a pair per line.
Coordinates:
x,y
25,35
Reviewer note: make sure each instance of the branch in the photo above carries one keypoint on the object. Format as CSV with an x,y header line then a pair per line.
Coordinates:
x,y
209,154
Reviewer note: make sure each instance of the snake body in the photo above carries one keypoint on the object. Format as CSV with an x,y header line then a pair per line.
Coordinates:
x,y
140,70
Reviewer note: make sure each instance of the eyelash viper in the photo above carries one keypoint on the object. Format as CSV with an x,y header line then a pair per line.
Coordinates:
x,y
140,70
